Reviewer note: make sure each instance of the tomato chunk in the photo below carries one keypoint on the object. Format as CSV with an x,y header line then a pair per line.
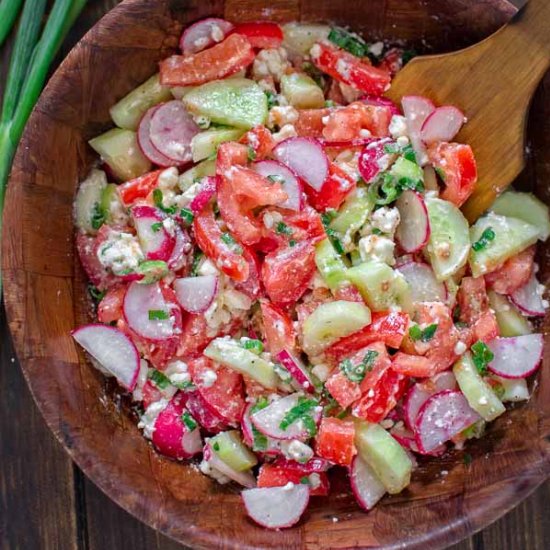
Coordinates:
x,y
138,188
226,58
261,34
278,328
260,139
392,61
334,191
413,365
110,307
513,274
349,69
456,165
87,247
275,475
251,287
310,122
336,440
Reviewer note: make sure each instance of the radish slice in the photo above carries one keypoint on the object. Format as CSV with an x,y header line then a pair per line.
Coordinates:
x,y
413,230
357,142
171,131
416,110
206,192
442,124
424,287
306,158
314,465
143,306
182,246
529,299
203,414
276,507
365,484
145,143
246,479
381,102
443,416
268,420
156,242
203,34
374,159
516,357
113,350
290,183
407,439
296,369
195,294
273,445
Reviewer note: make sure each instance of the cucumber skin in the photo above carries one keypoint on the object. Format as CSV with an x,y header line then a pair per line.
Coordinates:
x,y
204,168
233,451
88,195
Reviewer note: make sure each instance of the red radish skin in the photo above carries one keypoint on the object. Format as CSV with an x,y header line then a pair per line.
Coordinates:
x,y
171,131
314,465
296,369
207,191
366,486
423,285
203,34
371,161
529,299
416,110
413,230
289,182
195,294
276,507
113,350
516,357
378,101
273,445
156,242
181,250
145,143
203,414
306,158
246,479
442,124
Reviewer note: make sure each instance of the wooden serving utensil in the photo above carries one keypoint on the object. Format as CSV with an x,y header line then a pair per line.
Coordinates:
x,y
493,83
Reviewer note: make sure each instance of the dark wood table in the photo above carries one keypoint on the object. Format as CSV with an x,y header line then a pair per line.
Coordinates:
x,y
46,502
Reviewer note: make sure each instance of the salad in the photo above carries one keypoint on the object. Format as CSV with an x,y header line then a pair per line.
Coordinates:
x,y
283,278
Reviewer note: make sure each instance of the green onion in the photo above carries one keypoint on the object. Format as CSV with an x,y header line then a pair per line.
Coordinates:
x,y
482,356
260,440
189,421
152,271
329,103
228,239
356,372
487,236
416,333
160,380
187,215
187,385
273,178
292,243
350,42
304,480
216,446
197,257
158,199
299,412
156,227
335,240
282,229
272,100
158,315
96,294
251,154
376,231
255,346
441,173
9,10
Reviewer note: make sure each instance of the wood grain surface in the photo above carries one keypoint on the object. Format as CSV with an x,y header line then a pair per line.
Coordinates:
x,y
46,502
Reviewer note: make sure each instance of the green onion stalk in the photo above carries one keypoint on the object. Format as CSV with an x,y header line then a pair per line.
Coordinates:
x,y
31,59
9,10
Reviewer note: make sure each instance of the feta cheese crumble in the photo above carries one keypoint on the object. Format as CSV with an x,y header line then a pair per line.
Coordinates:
x,y
121,253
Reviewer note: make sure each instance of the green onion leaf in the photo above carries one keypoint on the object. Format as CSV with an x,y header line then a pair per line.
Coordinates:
x,y
299,412
282,229
187,216
189,421
96,294
348,41
251,154
228,239
197,257
425,335
9,10
158,378
216,446
274,178
255,346
158,315
158,199
482,356
487,236
156,227
272,100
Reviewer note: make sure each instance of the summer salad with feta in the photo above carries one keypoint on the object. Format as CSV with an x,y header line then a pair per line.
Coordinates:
x,y
283,278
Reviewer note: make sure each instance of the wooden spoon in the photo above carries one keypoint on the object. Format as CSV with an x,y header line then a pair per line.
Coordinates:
x,y
492,82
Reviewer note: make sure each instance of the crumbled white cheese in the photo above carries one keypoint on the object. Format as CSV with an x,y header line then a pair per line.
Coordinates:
x,y
314,480
384,161
376,247
343,68
296,450
348,161
289,486
168,183
121,253
188,195
315,51
398,127
177,372
137,394
287,131
117,213
386,219
376,48
169,225
207,470
364,133
279,116
270,62
460,348
207,267
321,371
216,33
317,281
208,378
349,93
271,219
149,417
402,141
203,122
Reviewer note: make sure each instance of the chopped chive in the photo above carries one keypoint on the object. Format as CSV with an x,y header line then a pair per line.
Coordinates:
x,y
216,446
156,227
274,178
348,41
329,103
251,154
441,173
228,239
282,229
187,216
425,335
189,421
481,356
158,315
487,236
98,216
187,385
255,346
197,257
158,199
376,231
356,372
158,378
272,100
304,480
299,412
96,294
292,243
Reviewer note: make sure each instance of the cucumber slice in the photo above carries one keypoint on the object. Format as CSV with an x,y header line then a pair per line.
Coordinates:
x,y
353,213
112,206
355,257
230,448
384,455
526,207
332,321
330,264
119,149
510,321
88,200
235,102
381,287
511,236
300,37
128,111
513,389
229,352
302,91
406,169
206,143
205,168
478,393
449,243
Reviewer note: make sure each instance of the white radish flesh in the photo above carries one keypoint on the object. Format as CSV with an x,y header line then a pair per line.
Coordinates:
x,y
365,484
156,242
413,231
195,294
374,159
204,34
306,158
145,143
113,350
423,285
529,299
289,182
442,124
516,357
297,370
276,507
273,445
416,110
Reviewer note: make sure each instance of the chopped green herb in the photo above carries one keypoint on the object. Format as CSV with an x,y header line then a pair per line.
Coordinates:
x,y
98,216
409,154
251,154
328,216
335,240
376,231
342,414
467,459
272,100
482,356
96,294
158,315
274,178
348,41
158,200
408,55
260,440
487,236
152,271
156,227
310,425
187,385
197,257
304,480
187,216
387,188
228,239
189,421
300,412
158,378
416,333
356,372
441,173
329,103
392,148
292,243
282,229
498,388
253,345
216,446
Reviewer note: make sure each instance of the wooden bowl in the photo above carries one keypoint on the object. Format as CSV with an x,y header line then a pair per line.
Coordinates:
x,y
45,298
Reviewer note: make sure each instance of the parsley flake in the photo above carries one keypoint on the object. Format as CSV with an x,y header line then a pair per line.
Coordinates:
x,y
282,229
159,379
487,236
424,335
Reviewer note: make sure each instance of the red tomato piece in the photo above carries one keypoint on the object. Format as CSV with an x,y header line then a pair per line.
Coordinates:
x,y
456,165
513,274
150,394
472,299
209,238
349,69
261,34
342,388
226,58
349,293
278,328
334,191
260,139
287,272
254,188
392,61
274,475
229,154
486,327
87,247
336,440
310,122
413,365
110,307
138,188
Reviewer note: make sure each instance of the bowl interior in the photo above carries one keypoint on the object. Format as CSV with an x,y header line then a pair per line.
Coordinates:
x,y
46,297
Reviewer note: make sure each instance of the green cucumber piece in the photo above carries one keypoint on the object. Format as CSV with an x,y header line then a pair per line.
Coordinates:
x,y
230,448
449,243
404,169
355,257
512,390
526,207
332,321
111,204
88,200
300,37
511,236
302,91
206,143
384,455
381,287
478,393
235,102
201,170
119,149
128,111
330,264
229,352
510,321
353,213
